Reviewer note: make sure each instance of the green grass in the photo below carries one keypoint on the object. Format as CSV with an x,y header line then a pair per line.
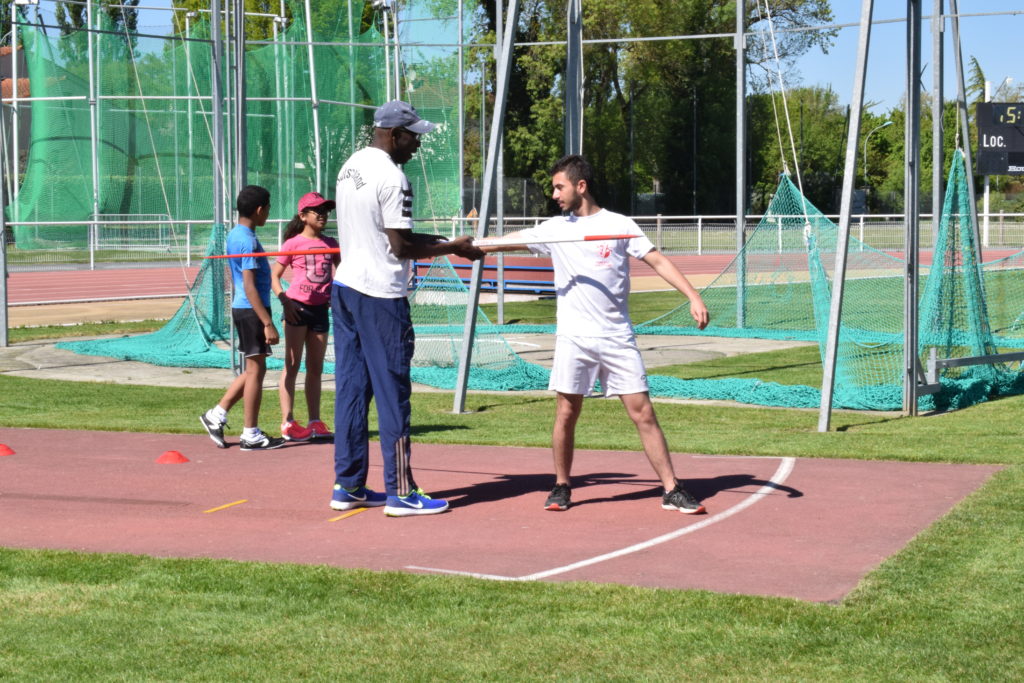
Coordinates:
x,y
18,335
946,607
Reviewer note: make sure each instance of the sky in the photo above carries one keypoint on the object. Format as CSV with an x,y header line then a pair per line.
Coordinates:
x,y
992,40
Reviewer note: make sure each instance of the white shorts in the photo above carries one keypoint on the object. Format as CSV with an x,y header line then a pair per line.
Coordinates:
x,y
615,361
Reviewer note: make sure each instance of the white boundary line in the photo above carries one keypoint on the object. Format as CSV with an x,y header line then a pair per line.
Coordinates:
x,y
781,474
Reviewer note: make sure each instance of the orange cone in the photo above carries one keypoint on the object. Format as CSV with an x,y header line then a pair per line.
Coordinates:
x,y
5,449
171,458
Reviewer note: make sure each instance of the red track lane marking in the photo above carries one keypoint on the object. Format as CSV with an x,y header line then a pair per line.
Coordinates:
x,y
781,474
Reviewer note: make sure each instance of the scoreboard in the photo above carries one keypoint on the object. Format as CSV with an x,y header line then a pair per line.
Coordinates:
x,y
1000,138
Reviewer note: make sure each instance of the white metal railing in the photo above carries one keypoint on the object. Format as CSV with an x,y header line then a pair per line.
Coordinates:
x,y
160,240
716,234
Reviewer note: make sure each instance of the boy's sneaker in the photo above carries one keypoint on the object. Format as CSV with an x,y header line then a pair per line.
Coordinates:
x,y
293,431
361,497
263,442
416,503
559,498
679,499
320,430
215,429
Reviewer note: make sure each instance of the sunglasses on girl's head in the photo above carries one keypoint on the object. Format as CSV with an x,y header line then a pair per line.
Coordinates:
x,y
320,211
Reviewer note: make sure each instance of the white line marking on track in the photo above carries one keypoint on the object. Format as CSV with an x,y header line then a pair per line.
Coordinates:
x,y
781,474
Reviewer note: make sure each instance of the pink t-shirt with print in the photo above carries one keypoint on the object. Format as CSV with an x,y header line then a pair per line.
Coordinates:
x,y
311,277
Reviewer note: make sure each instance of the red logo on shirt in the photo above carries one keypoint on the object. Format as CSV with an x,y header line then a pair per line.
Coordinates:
x,y
604,250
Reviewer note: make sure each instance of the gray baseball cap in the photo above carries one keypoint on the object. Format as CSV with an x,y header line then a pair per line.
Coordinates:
x,y
399,114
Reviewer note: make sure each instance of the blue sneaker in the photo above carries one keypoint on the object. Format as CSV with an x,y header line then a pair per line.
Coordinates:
x,y
416,503
361,497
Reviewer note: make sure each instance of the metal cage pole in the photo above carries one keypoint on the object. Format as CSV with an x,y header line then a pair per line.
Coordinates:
x,y
314,98
352,85
938,127
490,169
4,321
911,214
954,10
94,125
828,378
279,177
217,139
387,51
741,165
15,113
462,107
241,127
397,63
574,78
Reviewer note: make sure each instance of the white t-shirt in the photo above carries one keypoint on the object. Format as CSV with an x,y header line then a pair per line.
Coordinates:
x,y
373,194
591,278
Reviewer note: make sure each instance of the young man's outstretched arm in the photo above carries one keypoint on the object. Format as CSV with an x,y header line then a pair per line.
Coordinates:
x,y
672,275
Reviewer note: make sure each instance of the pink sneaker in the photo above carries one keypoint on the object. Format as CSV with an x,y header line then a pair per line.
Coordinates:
x,y
320,430
293,431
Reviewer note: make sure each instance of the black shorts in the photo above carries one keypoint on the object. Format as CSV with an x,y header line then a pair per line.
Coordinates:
x,y
314,316
252,335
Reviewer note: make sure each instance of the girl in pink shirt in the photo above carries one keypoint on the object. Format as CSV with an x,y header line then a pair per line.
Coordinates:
x,y
306,306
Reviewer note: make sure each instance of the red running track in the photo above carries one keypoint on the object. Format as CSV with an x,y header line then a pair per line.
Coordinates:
x,y
85,285
96,285
792,527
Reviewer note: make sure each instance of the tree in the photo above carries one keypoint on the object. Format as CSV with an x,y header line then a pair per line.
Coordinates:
x,y
818,128
121,13
657,113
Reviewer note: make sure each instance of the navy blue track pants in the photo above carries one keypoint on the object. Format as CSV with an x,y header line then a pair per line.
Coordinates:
x,y
373,348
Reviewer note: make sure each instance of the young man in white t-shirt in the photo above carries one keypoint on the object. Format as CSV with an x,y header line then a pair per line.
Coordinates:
x,y
373,333
595,338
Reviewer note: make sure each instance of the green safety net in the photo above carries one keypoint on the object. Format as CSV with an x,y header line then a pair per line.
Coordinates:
x,y
966,310
199,333
197,336
153,129
780,287
438,309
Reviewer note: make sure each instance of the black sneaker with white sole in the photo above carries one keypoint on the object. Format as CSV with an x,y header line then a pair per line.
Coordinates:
x,y
679,499
558,500
263,442
215,430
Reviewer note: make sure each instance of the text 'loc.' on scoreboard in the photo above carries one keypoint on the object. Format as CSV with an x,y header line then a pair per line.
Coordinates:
x,y
1000,138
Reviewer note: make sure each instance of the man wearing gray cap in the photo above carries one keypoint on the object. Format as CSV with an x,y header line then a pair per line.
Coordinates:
x,y
373,334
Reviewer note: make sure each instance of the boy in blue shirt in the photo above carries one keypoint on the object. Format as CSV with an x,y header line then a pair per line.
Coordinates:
x,y
250,311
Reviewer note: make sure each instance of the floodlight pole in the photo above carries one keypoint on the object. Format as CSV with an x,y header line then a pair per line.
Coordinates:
x,y
911,214
843,238
741,165
490,170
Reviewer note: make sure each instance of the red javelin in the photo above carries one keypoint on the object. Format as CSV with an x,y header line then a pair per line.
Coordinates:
x,y
511,241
